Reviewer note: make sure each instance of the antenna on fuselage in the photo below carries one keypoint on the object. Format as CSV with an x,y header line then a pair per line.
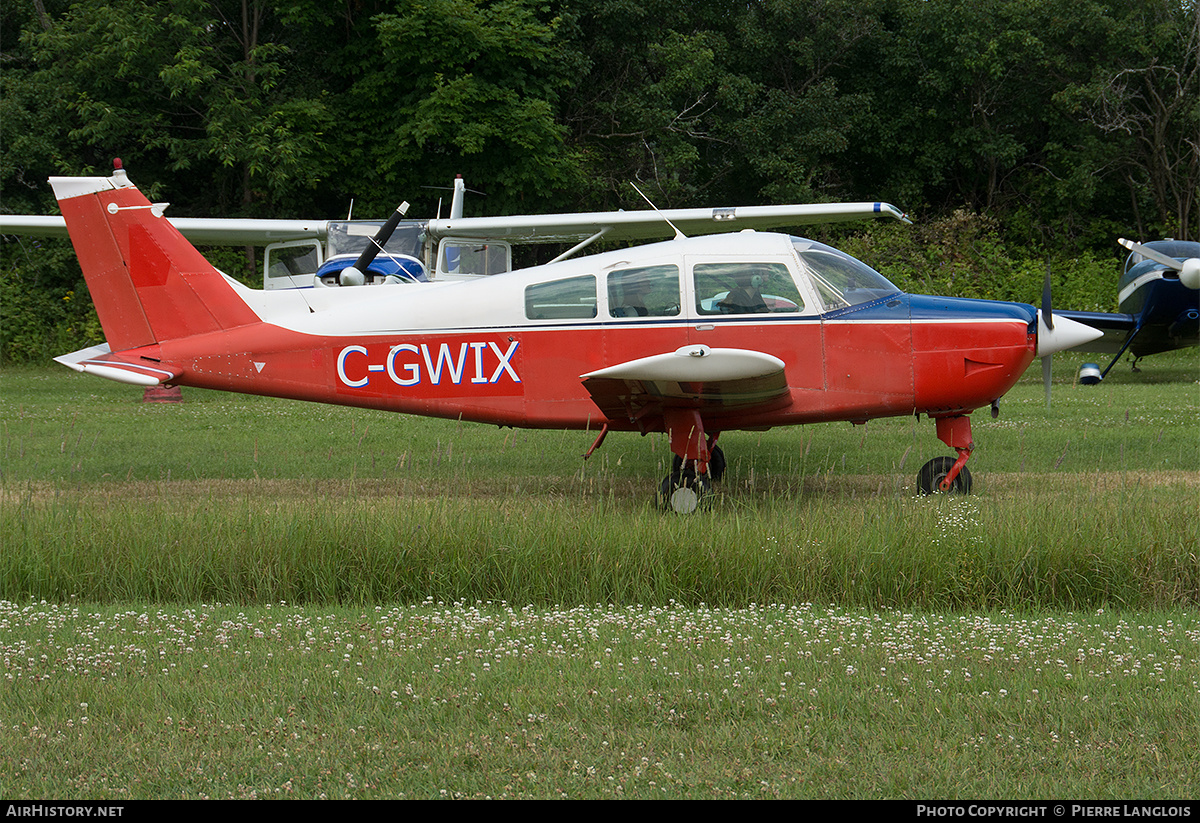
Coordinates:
x,y
678,234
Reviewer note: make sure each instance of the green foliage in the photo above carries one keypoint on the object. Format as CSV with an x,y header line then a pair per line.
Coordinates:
x,y
964,255
176,87
455,87
1066,123
45,309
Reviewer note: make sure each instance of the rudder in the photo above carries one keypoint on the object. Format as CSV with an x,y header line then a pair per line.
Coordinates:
x,y
148,283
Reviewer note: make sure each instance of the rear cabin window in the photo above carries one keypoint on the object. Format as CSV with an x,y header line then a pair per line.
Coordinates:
x,y
746,288
570,299
651,291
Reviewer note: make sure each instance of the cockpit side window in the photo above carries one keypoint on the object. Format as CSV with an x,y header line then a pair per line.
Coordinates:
x,y
745,288
569,299
651,291
840,279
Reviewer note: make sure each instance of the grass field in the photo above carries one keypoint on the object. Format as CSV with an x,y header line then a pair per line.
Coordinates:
x,y
246,597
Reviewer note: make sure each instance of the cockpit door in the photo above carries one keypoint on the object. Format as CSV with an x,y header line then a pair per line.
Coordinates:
x,y
291,264
462,257
756,304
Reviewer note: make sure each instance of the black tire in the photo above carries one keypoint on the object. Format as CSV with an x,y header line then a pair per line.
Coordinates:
x,y
716,464
684,491
931,475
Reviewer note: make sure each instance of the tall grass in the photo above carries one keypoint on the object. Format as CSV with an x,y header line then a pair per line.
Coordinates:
x,y
1091,503
243,542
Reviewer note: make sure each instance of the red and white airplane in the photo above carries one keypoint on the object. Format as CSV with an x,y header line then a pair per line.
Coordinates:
x,y
690,337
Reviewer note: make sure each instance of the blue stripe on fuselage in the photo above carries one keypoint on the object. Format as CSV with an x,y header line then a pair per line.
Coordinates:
x,y
926,307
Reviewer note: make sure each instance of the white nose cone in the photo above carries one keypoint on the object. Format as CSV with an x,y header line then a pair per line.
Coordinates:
x,y
1189,273
1066,334
351,276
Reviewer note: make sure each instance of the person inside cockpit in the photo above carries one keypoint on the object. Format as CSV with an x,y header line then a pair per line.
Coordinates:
x,y
746,297
633,302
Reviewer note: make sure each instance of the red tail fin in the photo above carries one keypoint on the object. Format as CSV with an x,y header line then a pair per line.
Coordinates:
x,y
149,284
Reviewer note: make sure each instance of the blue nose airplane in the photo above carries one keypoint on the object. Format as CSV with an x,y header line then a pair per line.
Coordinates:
x,y
1159,299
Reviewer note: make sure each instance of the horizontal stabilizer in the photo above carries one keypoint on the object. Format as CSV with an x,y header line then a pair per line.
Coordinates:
x,y
100,361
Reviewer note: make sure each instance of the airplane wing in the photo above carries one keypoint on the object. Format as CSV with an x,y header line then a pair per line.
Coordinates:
x,y
1116,329
202,230
714,381
647,224
644,224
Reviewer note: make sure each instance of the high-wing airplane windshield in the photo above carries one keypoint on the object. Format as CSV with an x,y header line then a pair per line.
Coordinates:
x,y
353,237
300,259
840,279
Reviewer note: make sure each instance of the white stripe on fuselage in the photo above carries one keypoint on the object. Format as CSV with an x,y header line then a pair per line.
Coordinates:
x,y
1137,283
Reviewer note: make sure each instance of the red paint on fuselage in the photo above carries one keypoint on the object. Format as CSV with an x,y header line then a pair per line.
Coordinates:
x,y
531,377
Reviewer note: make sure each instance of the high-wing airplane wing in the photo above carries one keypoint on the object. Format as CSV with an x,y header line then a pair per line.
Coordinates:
x,y
202,230
645,224
522,228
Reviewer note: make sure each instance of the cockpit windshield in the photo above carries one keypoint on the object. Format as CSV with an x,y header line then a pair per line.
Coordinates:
x,y
353,237
840,279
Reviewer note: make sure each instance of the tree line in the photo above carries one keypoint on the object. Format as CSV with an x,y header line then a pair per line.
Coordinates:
x,y
1060,124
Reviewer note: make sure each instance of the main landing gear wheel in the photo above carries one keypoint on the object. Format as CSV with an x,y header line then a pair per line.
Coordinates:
x,y
716,464
929,479
684,491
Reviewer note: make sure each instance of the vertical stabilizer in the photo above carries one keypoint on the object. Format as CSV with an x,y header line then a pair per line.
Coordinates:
x,y
148,283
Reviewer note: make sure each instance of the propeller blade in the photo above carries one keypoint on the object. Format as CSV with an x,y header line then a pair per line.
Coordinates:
x,y
1046,376
1151,254
380,239
1047,314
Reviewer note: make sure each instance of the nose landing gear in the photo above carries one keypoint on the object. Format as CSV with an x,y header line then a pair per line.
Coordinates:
x,y
945,474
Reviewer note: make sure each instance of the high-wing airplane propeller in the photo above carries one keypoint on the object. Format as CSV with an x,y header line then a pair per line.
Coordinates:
x,y
353,275
688,337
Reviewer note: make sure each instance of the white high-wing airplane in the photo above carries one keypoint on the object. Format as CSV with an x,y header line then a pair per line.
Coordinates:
x,y
308,253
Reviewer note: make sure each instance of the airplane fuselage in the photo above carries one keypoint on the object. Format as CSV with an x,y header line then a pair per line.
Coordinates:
x,y
691,337
473,351
1166,312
